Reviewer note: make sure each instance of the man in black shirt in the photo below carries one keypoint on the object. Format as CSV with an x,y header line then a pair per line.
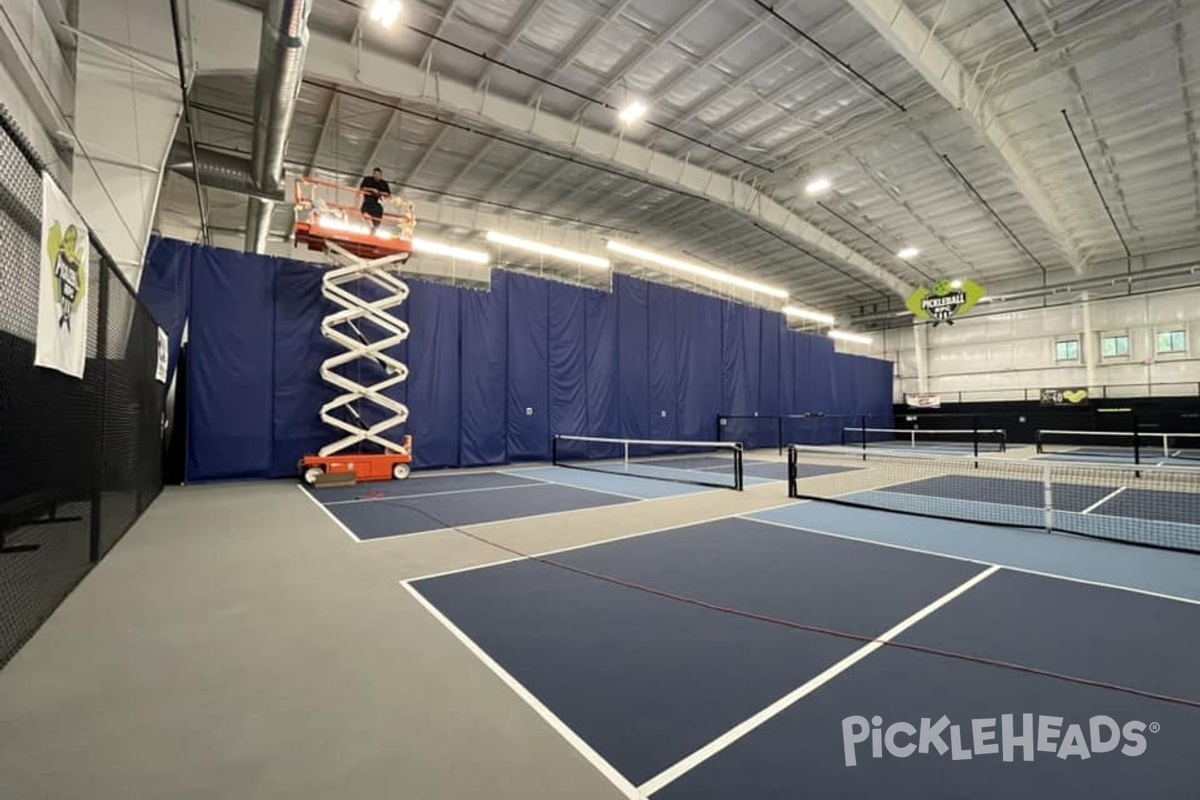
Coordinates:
x,y
374,189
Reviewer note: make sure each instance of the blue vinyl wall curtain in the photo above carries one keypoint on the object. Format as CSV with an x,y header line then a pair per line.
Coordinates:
x,y
492,374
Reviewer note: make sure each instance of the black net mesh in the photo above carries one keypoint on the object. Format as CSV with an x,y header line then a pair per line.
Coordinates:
x,y
81,458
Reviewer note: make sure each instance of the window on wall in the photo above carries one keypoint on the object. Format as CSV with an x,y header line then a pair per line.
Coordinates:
x,y
1066,350
1172,342
1115,346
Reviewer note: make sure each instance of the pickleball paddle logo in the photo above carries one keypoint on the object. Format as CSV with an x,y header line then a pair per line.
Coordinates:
x,y
945,301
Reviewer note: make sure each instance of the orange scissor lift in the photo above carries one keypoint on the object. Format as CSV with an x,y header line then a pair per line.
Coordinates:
x,y
328,219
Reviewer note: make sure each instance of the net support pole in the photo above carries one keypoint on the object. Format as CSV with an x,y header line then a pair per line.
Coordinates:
x,y
554,450
779,425
791,468
738,473
863,427
975,439
625,456
1048,498
1137,446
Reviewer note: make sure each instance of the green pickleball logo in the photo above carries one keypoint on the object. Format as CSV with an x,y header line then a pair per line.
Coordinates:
x,y
945,301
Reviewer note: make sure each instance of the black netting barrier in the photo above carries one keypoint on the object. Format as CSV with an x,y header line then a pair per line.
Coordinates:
x,y
82,458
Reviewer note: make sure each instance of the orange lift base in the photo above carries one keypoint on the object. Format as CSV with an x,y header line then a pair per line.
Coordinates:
x,y
364,466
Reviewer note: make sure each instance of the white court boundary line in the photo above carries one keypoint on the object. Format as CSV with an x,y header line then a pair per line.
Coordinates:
x,y
980,562
1103,500
434,494
329,514
687,764
583,748
621,538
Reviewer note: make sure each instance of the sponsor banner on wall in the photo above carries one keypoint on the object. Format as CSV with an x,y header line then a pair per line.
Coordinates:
x,y
1065,397
62,299
925,400
945,301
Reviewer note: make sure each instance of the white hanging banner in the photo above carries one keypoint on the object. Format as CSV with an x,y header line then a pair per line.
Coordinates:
x,y
164,356
62,299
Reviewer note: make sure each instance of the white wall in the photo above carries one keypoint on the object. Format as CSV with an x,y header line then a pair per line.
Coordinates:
x,y
36,81
1000,356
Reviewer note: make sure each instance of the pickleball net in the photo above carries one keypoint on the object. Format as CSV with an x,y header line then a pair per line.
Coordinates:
x,y
966,440
1148,446
717,464
1135,504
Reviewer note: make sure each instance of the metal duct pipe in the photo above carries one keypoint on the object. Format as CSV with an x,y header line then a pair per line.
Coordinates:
x,y
1100,282
282,48
218,170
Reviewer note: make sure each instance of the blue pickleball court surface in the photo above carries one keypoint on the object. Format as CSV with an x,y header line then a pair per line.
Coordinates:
x,y
439,500
721,660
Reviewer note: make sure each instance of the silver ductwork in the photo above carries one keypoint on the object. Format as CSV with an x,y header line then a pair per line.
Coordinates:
x,y
282,48
218,170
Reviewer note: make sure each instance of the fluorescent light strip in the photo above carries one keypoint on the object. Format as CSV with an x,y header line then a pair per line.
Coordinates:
x,y
804,313
549,250
847,336
694,269
449,251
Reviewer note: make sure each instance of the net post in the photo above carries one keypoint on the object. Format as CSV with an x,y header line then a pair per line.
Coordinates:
x,y
554,450
791,469
738,475
625,457
863,429
975,439
1137,446
1048,498
779,425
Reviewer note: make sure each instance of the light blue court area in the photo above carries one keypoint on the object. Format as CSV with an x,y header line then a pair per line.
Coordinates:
x,y
622,485
1123,459
1145,569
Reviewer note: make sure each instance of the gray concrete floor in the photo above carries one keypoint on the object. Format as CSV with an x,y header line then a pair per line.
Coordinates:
x,y
237,644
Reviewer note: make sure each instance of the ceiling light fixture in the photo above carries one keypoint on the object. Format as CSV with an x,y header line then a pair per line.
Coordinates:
x,y
908,252
385,12
847,336
549,250
449,251
694,269
632,112
804,313
817,186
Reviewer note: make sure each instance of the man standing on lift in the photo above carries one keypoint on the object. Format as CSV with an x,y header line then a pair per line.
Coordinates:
x,y
374,189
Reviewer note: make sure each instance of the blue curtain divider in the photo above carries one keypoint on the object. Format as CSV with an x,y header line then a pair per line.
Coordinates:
x,y
433,358
484,367
166,289
528,368
602,364
663,366
584,361
231,357
567,359
633,363
698,360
